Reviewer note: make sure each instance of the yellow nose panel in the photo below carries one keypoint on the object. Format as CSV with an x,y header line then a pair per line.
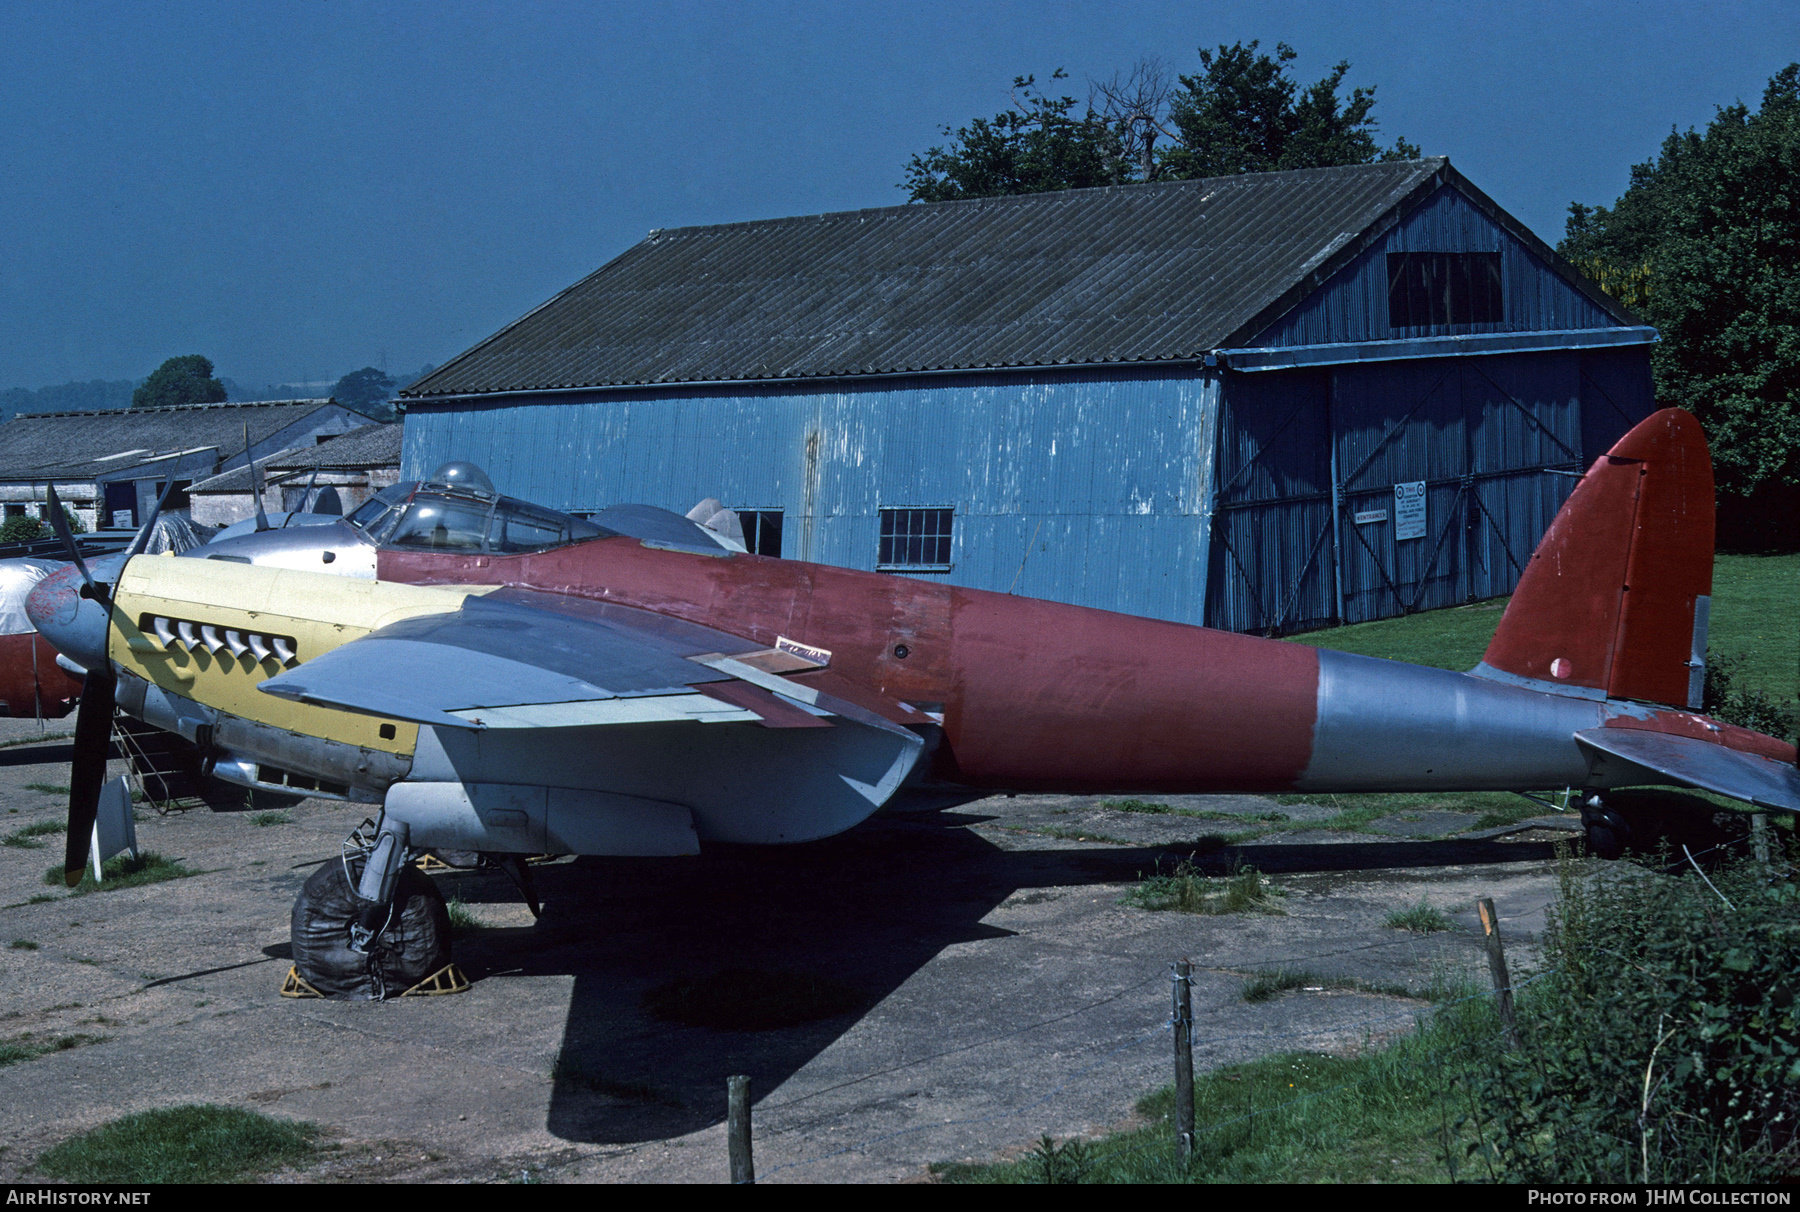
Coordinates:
x,y
317,612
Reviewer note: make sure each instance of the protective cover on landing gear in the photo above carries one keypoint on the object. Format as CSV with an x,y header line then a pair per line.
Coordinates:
x,y
415,944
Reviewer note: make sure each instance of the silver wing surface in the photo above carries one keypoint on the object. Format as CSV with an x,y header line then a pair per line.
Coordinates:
x,y
521,691
1628,755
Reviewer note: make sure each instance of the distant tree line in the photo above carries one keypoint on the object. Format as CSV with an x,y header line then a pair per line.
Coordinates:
x,y
189,379
1705,245
1242,112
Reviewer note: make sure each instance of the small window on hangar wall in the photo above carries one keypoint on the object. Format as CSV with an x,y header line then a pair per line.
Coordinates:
x,y
915,540
1444,288
762,530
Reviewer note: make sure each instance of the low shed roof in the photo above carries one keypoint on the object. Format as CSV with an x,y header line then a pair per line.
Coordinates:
x,y
96,445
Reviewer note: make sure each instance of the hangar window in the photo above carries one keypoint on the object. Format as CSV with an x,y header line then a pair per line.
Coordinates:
x,y
915,540
1428,288
762,531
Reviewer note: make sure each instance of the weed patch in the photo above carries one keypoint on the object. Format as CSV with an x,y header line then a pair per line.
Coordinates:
x,y
37,740
24,944
192,1144
462,921
29,1047
27,838
1266,986
1420,919
1185,890
1357,810
748,999
272,818
123,871
1134,806
48,788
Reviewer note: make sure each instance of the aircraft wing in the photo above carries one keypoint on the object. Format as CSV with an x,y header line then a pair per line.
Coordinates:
x,y
519,658
1761,781
520,687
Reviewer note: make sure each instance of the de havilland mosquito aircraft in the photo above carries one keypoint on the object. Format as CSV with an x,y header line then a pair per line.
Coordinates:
x,y
505,680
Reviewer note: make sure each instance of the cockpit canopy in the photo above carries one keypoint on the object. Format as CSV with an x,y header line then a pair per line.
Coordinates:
x,y
459,516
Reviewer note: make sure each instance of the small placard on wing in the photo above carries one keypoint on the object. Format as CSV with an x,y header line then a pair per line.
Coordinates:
x,y
819,657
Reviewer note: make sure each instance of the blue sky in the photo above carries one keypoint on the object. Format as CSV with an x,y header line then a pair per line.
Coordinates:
x,y
300,189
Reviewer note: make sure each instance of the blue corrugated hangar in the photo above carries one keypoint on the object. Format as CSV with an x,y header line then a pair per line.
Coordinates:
x,y
1264,403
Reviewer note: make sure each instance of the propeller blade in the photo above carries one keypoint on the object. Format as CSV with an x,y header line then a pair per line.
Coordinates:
x,y
256,484
59,522
142,539
87,773
305,500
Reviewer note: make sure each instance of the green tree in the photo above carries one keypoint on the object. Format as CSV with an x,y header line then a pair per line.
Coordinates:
x,y
184,380
1242,113
366,390
1245,114
1037,147
1705,244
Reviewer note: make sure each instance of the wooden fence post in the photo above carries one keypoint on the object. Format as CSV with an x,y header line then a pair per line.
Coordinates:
x,y
1184,1059
1496,956
737,1129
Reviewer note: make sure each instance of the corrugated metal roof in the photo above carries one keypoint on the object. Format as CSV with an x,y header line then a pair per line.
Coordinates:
x,y
1122,274
370,446
84,445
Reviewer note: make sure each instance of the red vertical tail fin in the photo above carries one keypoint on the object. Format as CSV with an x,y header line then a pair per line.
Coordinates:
x,y
1614,602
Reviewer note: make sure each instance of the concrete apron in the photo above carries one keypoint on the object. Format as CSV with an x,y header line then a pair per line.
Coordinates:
x,y
1006,992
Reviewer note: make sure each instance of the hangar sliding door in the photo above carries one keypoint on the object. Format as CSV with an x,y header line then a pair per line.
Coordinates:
x,y
1307,525
1492,446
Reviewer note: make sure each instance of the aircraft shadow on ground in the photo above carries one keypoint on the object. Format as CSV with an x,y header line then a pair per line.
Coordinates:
x,y
861,912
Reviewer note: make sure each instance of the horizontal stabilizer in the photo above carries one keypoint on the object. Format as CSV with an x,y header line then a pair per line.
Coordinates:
x,y
1690,762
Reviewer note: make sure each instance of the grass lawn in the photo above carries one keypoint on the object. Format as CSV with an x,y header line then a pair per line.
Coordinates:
x,y
1384,1114
192,1144
1755,612
1755,616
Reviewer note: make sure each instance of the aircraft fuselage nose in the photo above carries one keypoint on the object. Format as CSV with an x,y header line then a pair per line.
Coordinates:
x,y
74,625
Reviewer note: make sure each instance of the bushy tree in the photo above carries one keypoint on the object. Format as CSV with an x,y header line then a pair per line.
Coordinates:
x,y
366,390
1245,114
184,380
1705,244
1241,113
22,529
1039,146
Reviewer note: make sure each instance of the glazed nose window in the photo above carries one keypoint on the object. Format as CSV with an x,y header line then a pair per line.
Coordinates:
x,y
441,525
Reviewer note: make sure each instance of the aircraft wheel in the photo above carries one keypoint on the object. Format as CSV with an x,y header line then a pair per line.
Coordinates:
x,y
1608,836
414,945
1603,841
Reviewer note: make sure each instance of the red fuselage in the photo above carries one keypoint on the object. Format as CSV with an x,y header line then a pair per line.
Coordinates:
x,y
1041,695
1033,693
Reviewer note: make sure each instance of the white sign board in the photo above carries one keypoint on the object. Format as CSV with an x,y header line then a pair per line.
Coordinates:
x,y
115,827
1364,517
1409,510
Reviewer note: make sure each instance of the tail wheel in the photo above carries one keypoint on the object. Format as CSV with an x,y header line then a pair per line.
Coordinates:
x,y
1608,836
414,945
